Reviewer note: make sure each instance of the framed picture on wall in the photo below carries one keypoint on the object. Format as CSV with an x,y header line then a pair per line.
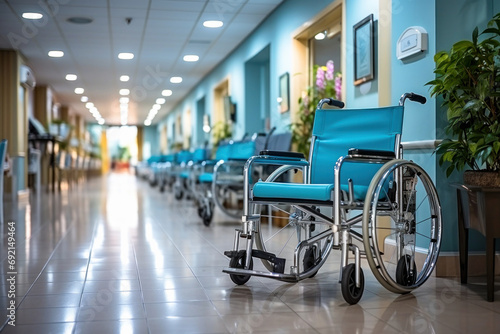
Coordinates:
x,y
363,51
284,92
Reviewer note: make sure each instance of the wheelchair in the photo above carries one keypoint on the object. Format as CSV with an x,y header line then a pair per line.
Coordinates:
x,y
224,183
187,171
220,183
385,210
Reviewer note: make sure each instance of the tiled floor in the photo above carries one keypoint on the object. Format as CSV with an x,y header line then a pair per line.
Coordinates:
x,y
115,256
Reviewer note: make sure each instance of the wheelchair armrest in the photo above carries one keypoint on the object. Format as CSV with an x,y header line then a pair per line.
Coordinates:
x,y
237,159
208,162
283,154
357,152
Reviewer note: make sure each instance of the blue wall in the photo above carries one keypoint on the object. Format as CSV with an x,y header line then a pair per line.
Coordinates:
x,y
150,136
364,95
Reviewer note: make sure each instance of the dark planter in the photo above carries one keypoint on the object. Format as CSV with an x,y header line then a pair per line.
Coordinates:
x,y
482,178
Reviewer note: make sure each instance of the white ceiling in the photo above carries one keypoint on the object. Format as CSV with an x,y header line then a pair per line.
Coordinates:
x,y
160,34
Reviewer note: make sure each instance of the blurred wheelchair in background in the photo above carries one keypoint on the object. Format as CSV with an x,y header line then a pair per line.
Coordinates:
x,y
220,182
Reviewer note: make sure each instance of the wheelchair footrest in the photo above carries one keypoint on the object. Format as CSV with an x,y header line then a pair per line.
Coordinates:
x,y
278,263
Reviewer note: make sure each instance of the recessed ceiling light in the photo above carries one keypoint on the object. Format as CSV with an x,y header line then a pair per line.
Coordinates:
x,y
160,100
191,58
56,54
32,16
89,105
166,92
156,107
124,78
126,55
124,100
79,20
84,99
175,79
124,91
79,90
213,24
71,77
147,122
101,121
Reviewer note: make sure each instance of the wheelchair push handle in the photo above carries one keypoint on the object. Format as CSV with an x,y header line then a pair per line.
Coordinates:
x,y
331,102
412,97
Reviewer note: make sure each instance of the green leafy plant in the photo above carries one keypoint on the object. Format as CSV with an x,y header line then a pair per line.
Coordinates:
x,y
468,80
221,131
328,84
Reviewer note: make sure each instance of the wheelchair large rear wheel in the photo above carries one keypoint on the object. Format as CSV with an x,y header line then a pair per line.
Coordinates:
x,y
402,226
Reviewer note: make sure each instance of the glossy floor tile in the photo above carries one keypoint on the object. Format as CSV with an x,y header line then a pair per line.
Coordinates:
x,y
113,255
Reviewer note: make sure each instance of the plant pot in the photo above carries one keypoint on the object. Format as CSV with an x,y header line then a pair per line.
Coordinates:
x,y
482,178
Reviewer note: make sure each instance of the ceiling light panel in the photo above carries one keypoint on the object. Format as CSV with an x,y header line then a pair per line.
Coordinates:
x,y
55,54
32,16
126,55
190,58
213,24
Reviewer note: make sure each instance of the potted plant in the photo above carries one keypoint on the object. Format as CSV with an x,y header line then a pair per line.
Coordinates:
x,y
468,81
328,84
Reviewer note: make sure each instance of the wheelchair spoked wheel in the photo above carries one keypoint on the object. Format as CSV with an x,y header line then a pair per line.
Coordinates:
x,y
292,229
402,226
227,200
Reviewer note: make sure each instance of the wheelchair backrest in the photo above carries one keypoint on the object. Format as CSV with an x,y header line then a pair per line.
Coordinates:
x,y
167,158
242,150
279,142
335,131
222,152
183,156
201,154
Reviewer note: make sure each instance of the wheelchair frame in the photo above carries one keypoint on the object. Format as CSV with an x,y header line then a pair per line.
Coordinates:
x,y
392,194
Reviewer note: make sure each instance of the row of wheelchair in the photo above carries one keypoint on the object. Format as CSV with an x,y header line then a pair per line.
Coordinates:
x,y
211,183
354,193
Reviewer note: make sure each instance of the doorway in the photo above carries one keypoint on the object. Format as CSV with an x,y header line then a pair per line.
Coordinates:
x,y
257,93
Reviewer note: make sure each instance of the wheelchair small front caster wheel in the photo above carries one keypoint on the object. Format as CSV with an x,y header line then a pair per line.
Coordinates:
x,y
239,262
178,194
310,261
350,292
207,217
406,272
201,211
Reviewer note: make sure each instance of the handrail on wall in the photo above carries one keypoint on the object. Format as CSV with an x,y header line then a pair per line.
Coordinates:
x,y
421,144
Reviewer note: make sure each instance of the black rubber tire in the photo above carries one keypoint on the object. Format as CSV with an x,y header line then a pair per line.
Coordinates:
x,y
201,211
179,194
309,260
240,263
403,276
207,218
350,292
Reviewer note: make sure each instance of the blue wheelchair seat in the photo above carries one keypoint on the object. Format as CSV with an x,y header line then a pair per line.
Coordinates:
x,y
335,131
